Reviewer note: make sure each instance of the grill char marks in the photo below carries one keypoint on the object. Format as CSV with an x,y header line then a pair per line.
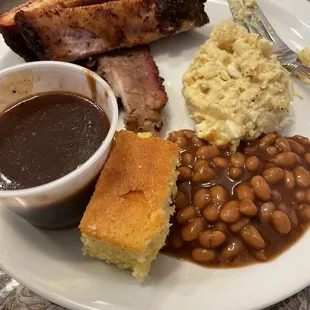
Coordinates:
x,y
172,13
106,26
18,45
29,46
13,37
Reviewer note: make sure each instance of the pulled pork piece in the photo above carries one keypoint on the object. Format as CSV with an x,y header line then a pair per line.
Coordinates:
x,y
134,77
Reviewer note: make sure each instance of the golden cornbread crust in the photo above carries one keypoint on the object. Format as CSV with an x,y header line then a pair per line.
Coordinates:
x,y
130,206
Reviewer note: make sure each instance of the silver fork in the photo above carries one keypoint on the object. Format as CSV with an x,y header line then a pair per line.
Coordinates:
x,y
258,23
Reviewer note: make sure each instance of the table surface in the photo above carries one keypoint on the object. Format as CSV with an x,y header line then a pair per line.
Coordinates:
x,y
14,296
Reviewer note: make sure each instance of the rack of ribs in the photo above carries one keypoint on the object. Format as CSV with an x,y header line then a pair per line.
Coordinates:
x,y
68,33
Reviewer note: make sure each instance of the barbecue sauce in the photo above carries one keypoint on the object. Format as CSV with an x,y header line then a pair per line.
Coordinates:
x,y
43,139
46,137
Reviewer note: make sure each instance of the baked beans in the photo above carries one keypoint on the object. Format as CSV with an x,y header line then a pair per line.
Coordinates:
x,y
282,145
252,237
218,194
244,191
234,173
233,209
185,173
207,152
276,196
265,212
192,229
273,175
281,222
201,197
239,225
211,239
187,159
203,255
289,180
211,213
267,141
237,160
296,147
221,162
230,212
253,164
186,214
232,250
261,188
287,159
248,208
307,158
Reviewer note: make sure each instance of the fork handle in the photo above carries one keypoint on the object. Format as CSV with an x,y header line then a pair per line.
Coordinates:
x,y
300,68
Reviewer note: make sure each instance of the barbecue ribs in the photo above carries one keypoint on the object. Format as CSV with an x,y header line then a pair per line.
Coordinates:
x,y
68,32
13,37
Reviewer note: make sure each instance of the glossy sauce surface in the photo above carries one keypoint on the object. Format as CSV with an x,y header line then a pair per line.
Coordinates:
x,y
48,136
233,209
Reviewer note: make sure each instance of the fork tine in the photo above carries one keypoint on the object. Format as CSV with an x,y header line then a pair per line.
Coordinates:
x,y
235,15
263,21
249,22
257,26
256,22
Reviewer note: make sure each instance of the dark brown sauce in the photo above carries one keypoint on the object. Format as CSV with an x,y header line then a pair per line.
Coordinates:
x,y
276,243
48,136
63,214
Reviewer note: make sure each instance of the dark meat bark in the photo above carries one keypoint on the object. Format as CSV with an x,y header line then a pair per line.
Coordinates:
x,y
18,45
134,77
13,37
72,33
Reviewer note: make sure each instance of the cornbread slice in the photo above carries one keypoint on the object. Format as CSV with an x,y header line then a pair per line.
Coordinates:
x,y
127,220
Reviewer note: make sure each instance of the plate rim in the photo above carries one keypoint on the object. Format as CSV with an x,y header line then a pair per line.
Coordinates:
x,y
36,288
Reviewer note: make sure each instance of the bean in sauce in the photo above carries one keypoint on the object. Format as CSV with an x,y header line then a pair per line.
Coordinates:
x,y
234,209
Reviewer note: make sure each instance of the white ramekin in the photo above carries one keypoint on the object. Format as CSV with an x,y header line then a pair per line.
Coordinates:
x,y
62,202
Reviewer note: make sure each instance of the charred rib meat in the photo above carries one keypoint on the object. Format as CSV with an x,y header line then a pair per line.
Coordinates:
x,y
72,33
13,37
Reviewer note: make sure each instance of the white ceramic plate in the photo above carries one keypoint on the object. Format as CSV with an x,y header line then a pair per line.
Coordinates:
x,y
51,263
